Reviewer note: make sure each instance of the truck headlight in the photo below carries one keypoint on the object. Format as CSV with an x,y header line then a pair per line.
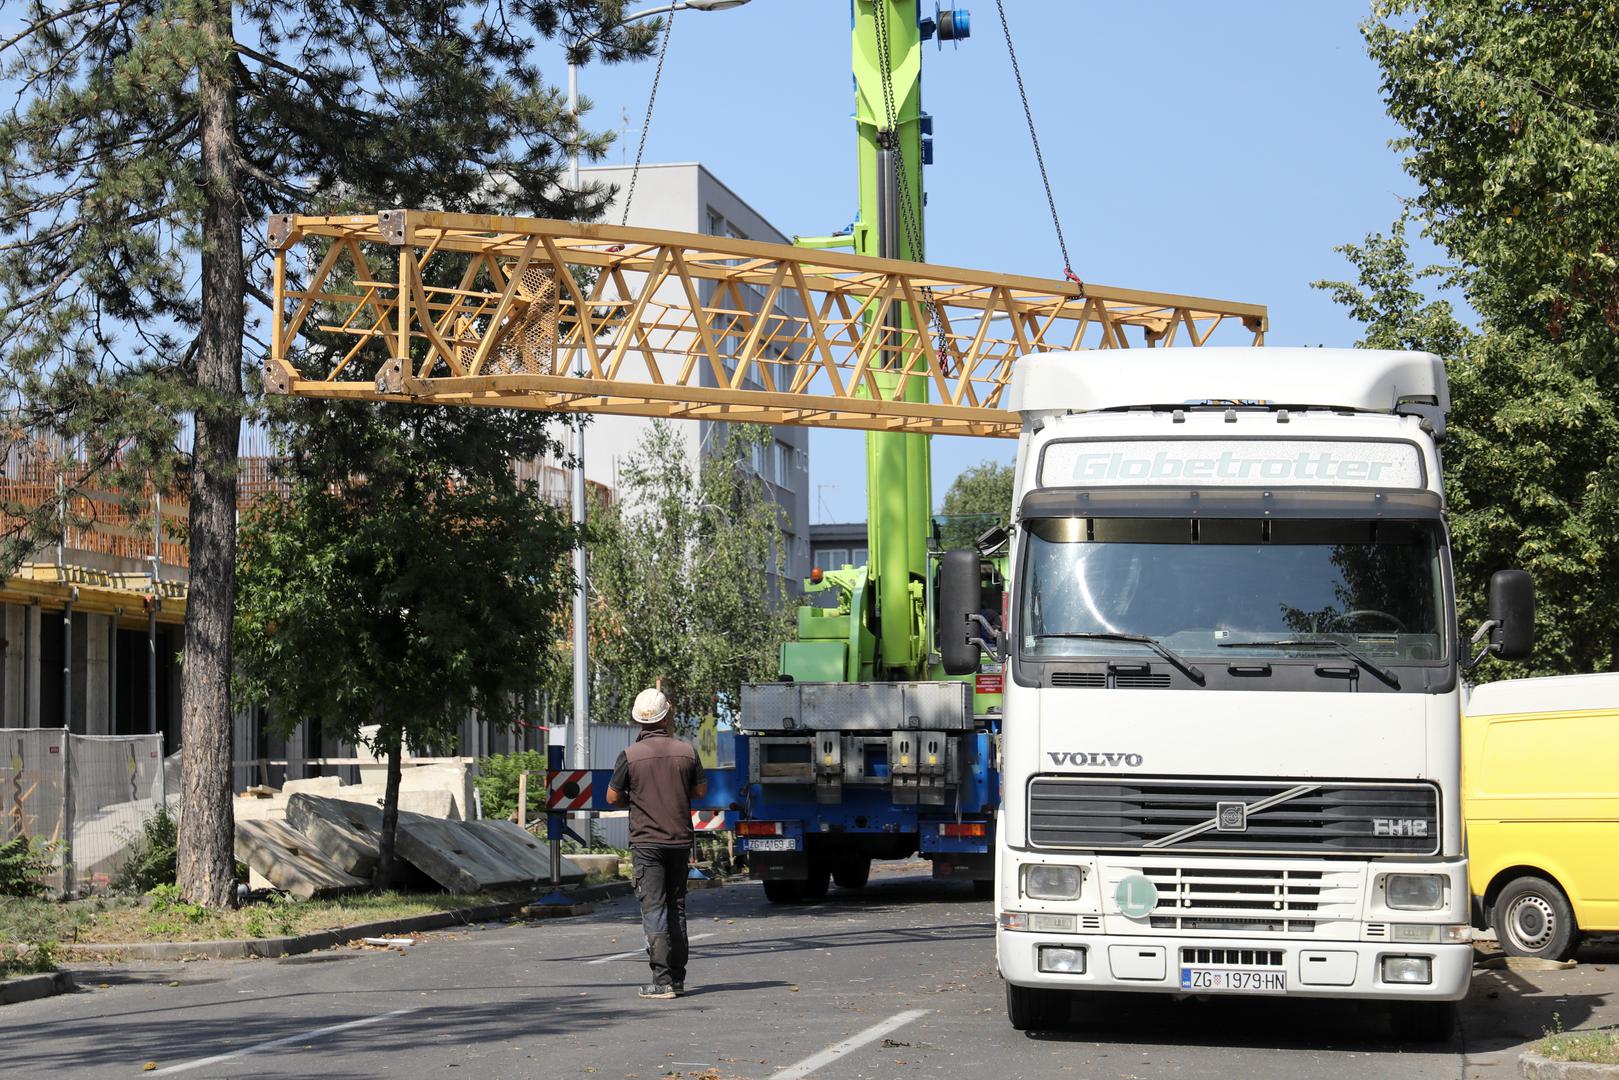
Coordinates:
x,y
1045,882
1414,892
1411,970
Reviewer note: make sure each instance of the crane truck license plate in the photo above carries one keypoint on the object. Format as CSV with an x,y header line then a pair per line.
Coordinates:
x,y
1232,981
773,843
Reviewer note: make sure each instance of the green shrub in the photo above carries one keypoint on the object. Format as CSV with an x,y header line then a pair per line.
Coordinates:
x,y
151,855
497,784
24,865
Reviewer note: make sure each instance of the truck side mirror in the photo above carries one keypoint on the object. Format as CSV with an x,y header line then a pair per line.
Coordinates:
x,y
1512,610
961,593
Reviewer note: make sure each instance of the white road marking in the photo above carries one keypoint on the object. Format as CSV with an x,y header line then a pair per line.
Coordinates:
x,y
301,1037
853,1042
640,951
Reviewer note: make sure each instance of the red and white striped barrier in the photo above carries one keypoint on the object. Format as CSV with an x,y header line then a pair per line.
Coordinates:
x,y
709,820
568,789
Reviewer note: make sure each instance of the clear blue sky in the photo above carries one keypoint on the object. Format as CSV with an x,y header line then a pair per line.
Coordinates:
x,y
1216,149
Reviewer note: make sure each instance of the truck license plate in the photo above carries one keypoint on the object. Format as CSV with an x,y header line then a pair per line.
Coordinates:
x,y
773,843
1228,981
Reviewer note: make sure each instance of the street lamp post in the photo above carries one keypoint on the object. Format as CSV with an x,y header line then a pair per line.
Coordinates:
x,y
581,615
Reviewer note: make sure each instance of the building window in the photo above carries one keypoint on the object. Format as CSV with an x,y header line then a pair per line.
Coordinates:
x,y
861,557
831,558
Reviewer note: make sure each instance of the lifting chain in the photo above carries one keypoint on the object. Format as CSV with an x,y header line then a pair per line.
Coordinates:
x,y
646,124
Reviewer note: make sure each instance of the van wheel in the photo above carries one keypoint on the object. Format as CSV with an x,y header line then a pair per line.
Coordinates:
x,y
1532,917
1033,1008
1424,1021
784,892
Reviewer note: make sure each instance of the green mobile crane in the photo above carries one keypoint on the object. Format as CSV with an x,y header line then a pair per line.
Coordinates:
x,y
865,749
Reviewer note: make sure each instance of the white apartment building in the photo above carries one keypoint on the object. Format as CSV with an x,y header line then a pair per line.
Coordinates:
x,y
688,198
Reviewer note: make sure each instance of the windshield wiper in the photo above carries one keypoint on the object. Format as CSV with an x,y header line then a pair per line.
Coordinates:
x,y
1191,671
1320,643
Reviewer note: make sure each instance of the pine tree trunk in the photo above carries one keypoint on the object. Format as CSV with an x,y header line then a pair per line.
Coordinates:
x,y
206,837
384,877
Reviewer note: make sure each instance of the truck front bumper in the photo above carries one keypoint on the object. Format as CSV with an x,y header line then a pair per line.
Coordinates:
x,y
1334,969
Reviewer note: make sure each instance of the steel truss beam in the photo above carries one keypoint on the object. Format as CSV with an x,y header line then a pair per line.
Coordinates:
x,y
461,309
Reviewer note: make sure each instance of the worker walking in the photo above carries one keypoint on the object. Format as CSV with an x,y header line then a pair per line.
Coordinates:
x,y
658,776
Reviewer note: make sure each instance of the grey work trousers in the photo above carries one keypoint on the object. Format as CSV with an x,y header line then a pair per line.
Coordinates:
x,y
660,884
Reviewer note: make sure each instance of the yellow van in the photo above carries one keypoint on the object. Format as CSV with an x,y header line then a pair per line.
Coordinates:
x,y
1540,795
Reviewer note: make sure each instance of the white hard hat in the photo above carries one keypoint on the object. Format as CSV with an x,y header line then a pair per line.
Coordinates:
x,y
651,706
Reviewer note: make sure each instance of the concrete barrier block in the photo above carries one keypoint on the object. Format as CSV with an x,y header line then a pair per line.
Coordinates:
x,y
523,849
313,785
290,860
451,853
600,865
351,848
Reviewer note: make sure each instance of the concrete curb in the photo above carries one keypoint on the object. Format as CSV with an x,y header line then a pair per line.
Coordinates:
x,y
33,987
254,948
1535,1067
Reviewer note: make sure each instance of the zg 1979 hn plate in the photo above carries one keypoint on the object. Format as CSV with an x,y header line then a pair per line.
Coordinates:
x,y
1202,980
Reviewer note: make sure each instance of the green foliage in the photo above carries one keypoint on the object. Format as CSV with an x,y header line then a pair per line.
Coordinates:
x,y
497,784
277,914
978,499
151,855
1508,112
332,104
411,593
1600,1047
25,862
30,931
687,576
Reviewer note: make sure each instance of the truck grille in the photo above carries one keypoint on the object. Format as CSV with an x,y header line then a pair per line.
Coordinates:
x,y
1241,899
1221,957
1294,817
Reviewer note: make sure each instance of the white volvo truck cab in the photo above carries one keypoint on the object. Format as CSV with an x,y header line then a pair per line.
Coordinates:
x,y
1231,747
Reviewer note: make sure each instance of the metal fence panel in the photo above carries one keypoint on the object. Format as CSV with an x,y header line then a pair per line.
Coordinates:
x,y
89,793
33,789
116,783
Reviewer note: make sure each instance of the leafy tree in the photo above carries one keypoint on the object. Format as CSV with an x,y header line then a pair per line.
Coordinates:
x,y
498,784
1509,113
687,576
406,578
979,498
148,142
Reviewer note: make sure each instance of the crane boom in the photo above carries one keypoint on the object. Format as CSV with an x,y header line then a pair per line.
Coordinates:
x,y
461,309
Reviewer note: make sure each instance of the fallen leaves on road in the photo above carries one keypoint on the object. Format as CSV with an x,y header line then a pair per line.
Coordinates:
x,y
150,1066
891,1043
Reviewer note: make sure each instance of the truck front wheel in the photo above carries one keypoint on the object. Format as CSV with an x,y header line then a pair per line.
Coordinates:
x,y
1532,917
1033,1008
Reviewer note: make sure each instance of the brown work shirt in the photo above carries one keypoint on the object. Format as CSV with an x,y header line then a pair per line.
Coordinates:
x,y
658,775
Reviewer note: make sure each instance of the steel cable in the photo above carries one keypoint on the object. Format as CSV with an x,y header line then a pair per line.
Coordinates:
x,y
1028,115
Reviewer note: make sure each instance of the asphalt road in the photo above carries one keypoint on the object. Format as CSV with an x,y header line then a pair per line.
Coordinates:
x,y
898,982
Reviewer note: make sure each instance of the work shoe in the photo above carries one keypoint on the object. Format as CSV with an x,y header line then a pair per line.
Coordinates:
x,y
657,991
679,988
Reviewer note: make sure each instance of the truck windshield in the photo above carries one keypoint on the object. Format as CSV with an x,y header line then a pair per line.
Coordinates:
x,y
1207,587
